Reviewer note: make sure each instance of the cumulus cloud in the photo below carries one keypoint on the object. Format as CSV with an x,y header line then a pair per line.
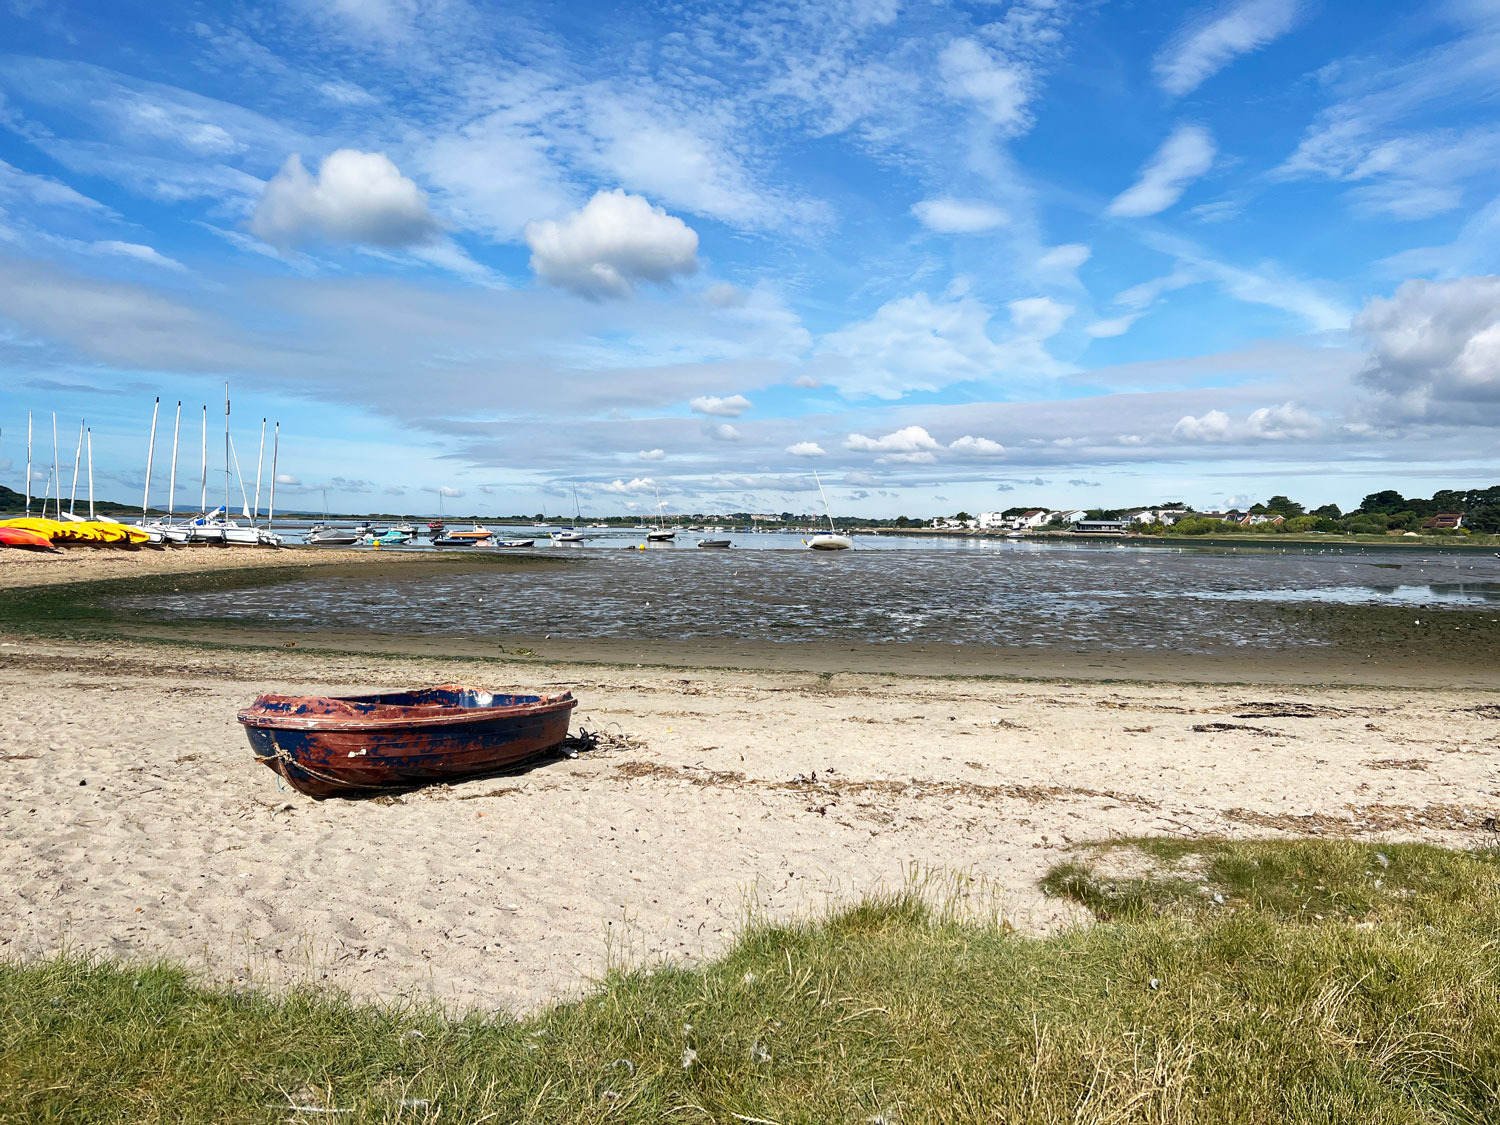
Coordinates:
x,y
731,407
287,478
614,241
959,216
359,197
1206,46
1278,423
999,89
968,446
1435,345
633,487
1213,426
1184,156
723,432
650,455
911,439
806,449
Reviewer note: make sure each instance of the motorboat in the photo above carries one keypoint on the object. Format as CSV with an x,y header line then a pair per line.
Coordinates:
x,y
390,537
454,541
568,535
513,543
328,746
476,533
719,543
333,537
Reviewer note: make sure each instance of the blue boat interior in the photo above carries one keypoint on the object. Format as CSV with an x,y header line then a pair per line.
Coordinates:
x,y
436,699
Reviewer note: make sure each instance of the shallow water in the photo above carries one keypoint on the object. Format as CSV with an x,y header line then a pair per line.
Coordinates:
x,y
1001,593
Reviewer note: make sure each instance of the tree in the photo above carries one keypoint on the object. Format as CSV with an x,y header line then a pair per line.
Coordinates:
x,y
1383,503
902,521
1284,506
1328,512
1173,506
963,517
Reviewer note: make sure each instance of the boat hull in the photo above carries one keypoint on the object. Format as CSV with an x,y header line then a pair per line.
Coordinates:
x,y
325,746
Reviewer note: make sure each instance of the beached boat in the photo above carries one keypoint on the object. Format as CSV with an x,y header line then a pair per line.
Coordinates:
x,y
477,533
453,541
829,540
21,537
719,543
333,537
328,745
513,543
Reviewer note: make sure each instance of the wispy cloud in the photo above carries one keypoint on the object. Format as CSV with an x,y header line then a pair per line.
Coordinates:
x,y
1184,156
1210,42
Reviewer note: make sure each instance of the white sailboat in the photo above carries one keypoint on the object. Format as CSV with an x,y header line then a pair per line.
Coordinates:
x,y
829,540
660,533
571,534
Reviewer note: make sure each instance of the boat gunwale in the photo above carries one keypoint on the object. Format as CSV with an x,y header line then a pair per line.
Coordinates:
x,y
250,717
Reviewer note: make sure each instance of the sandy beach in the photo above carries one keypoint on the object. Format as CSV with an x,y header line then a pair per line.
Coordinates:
x,y
137,824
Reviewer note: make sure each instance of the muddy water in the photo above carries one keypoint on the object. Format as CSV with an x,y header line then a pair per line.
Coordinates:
x,y
1029,595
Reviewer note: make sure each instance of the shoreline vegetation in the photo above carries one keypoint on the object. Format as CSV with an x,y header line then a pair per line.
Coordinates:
x,y
1221,981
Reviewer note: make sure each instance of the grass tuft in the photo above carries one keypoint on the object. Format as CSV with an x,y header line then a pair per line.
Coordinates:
x,y
1309,994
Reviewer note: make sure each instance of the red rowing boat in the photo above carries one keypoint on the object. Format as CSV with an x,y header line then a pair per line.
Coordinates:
x,y
345,745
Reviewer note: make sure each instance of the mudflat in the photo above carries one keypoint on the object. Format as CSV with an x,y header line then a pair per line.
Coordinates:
x,y
138,824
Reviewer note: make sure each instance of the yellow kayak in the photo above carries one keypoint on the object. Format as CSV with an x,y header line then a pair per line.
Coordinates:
x,y
82,531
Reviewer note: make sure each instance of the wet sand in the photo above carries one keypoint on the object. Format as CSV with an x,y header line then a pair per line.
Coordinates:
x,y
137,823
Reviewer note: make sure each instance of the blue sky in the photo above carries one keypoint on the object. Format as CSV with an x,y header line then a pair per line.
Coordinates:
x,y
949,255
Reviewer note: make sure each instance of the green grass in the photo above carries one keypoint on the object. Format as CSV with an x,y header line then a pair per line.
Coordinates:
x,y
1182,1009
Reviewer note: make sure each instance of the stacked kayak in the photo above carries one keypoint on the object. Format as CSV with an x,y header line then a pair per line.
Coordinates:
x,y
81,531
20,537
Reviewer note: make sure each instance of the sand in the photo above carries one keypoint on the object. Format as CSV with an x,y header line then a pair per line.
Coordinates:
x,y
136,823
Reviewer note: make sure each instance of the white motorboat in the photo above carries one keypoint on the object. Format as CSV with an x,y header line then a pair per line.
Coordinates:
x,y
568,535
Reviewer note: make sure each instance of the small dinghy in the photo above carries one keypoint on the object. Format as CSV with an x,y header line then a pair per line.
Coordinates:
x,y
719,543
347,745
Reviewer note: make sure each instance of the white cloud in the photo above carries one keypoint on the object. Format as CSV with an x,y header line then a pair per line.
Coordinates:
x,y
968,446
1213,426
1277,423
1184,156
650,455
723,432
341,92
731,407
1435,346
806,449
959,216
1206,46
615,240
356,197
287,478
43,190
138,252
1064,260
1112,326
916,343
911,439
999,88
633,487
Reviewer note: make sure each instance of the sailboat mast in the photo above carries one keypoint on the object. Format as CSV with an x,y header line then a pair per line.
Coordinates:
x,y
226,450
831,529
91,473
260,459
275,449
56,481
150,457
28,463
172,480
203,488
244,500
77,457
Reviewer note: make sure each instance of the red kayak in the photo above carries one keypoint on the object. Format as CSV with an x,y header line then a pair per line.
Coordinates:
x,y
20,537
347,745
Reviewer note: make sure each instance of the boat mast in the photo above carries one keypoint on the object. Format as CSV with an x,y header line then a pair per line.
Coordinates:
x,y
244,500
577,511
28,463
260,460
226,449
91,473
150,457
203,488
275,449
77,457
56,480
831,529
172,480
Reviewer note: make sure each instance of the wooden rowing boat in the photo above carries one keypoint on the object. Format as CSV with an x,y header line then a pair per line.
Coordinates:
x,y
361,744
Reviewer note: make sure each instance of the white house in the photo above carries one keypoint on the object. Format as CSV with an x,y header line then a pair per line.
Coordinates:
x,y
1034,518
990,520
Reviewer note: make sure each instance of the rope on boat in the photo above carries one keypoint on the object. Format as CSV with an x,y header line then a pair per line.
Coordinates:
x,y
283,756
